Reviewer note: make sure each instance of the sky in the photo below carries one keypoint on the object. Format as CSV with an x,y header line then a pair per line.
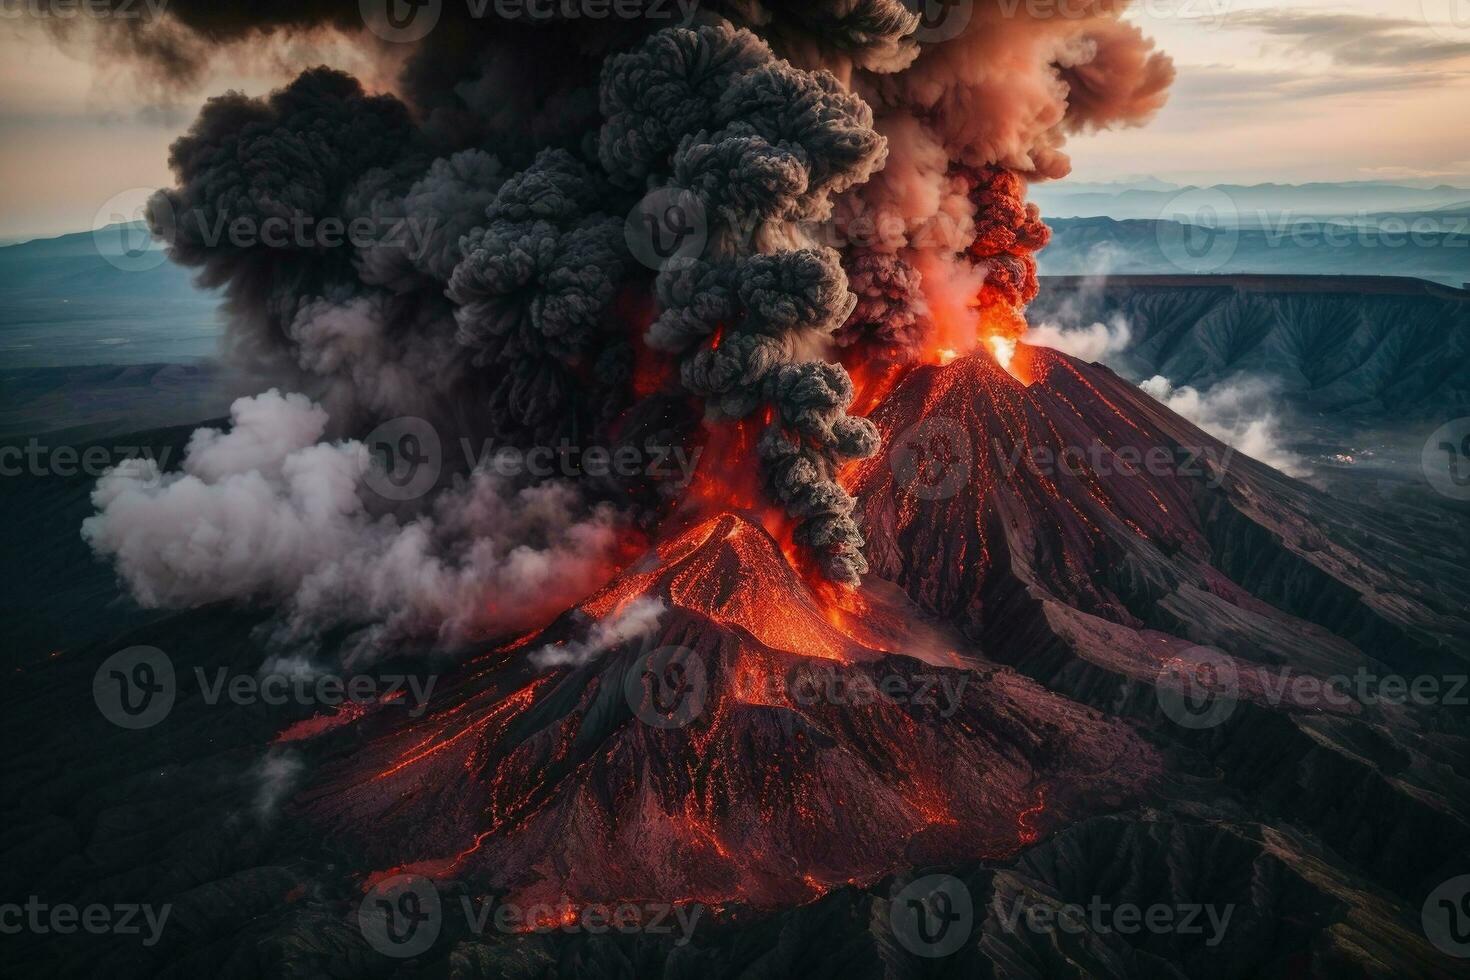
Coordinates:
x,y
1287,91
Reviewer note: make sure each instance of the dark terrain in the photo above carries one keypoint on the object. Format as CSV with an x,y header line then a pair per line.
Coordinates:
x,y
1076,604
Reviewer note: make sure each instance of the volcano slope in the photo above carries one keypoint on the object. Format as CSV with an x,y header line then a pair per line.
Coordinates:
x,y
744,753
1125,595
1065,685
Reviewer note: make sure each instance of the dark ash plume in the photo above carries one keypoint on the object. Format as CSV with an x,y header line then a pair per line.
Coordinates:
x,y
762,145
493,291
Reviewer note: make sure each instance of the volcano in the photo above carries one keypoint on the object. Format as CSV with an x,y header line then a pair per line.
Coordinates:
x,y
1048,554
748,752
1075,516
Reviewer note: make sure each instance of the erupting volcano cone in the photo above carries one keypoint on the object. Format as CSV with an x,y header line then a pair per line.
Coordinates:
x,y
745,751
1074,525
749,745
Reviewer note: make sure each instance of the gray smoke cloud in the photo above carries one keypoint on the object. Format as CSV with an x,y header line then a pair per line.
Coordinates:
x,y
1096,342
635,621
487,283
269,511
1237,412
763,146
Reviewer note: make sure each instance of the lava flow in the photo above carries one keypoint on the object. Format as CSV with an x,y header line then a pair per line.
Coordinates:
x,y
793,759
753,742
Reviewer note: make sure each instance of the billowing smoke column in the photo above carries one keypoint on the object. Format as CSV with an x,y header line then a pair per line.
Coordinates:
x,y
859,173
762,147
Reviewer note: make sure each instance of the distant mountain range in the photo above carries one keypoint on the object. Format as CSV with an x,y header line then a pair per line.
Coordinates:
x,y
110,297
1152,199
1381,245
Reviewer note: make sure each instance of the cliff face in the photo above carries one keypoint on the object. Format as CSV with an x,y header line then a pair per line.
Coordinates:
x,y
1369,350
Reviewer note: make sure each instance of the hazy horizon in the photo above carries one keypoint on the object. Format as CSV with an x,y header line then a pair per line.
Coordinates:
x,y
1295,91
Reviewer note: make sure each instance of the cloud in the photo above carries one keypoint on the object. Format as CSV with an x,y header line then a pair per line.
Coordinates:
x,y
1239,91
638,619
275,779
1355,40
266,511
1235,412
1092,343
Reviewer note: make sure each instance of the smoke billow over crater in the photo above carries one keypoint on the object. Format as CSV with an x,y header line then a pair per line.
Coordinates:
x,y
514,152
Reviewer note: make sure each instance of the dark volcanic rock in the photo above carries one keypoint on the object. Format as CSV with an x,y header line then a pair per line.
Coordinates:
x,y
795,761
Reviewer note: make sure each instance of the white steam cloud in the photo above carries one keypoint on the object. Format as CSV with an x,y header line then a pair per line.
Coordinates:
x,y
1235,412
638,619
275,779
1095,343
266,511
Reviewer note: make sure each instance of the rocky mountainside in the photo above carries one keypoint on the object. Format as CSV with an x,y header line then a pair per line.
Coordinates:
x,y
1137,625
1367,349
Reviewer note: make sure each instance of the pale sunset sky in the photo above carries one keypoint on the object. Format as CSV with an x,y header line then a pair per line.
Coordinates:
x,y
1287,91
